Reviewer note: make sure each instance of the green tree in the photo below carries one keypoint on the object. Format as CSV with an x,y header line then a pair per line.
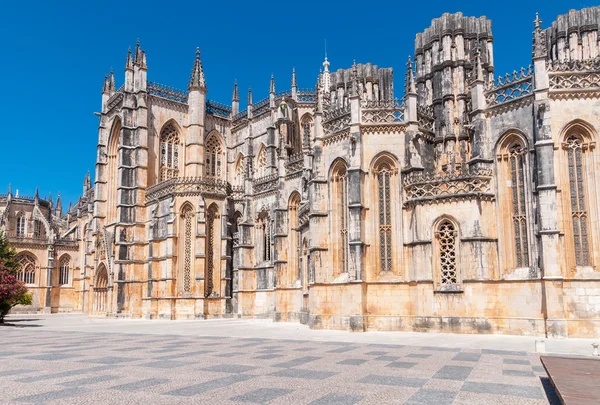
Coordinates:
x,y
12,291
8,254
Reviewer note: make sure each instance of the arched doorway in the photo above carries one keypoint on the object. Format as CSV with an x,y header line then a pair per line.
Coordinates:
x,y
101,290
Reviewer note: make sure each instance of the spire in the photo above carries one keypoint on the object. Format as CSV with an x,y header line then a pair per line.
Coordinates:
x,y
410,79
539,38
236,96
294,77
111,81
106,86
129,62
58,208
139,57
249,96
272,86
36,199
197,81
354,79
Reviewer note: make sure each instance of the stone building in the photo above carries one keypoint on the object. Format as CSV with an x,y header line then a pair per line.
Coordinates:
x,y
469,205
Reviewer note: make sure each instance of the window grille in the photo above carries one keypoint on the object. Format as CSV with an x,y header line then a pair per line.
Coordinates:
x,y
63,277
261,163
574,147
21,225
341,180
214,157
517,155
210,251
188,215
447,238
26,272
385,222
169,153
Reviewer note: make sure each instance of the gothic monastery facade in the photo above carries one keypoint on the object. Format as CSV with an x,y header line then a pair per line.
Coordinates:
x,y
470,205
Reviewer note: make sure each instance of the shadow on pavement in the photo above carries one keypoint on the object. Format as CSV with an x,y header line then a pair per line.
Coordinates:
x,y
550,391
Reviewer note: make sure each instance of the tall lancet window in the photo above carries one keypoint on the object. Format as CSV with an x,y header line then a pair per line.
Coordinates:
x,y
187,216
21,225
211,218
64,270
446,235
385,217
261,162
517,155
340,216
213,157
169,152
575,150
239,172
264,237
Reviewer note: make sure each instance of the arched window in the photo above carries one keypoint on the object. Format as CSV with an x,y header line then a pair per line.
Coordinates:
x,y
100,303
307,126
340,216
261,162
187,217
576,149
213,157
446,236
26,272
264,237
294,248
64,271
111,176
212,216
21,221
169,152
384,212
513,189
239,171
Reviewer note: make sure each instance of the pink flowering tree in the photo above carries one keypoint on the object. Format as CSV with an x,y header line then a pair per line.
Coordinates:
x,y
12,291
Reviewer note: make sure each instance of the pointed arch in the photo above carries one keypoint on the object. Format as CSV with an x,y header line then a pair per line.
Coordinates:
x,y
294,247
214,155
261,161
64,270
239,173
384,170
264,234
170,147
112,170
213,259
21,225
27,263
446,252
514,198
187,237
100,303
340,214
578,177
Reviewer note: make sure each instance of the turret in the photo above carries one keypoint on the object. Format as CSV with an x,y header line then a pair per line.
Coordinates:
x,y
197,110
235,100
294,85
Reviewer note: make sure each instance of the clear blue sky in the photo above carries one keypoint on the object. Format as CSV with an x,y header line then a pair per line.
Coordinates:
x,y
55,56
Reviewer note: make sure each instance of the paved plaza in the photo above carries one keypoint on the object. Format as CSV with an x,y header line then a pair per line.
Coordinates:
x,y
73,359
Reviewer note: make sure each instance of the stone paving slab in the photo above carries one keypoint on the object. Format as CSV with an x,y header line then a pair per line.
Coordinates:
x,y
37,367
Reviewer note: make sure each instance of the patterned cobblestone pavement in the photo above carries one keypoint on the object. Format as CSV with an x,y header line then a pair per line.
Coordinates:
x,y
61,367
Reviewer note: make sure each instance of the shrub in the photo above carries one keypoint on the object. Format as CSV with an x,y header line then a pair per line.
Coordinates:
x,y
12,291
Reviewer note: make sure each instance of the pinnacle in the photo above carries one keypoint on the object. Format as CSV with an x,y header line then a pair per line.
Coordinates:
x,y
197,80
236,96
